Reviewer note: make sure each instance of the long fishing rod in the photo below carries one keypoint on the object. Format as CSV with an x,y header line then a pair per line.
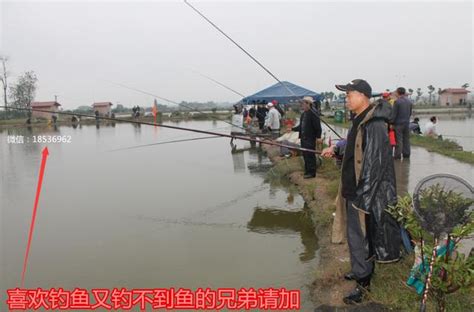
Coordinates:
x,y
256,61
165,142
237,137
174,102
173,139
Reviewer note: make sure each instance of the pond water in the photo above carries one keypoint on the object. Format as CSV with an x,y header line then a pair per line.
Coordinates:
x,y
176,215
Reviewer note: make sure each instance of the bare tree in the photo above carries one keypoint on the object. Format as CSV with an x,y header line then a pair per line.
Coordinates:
x,y
23,92
3,79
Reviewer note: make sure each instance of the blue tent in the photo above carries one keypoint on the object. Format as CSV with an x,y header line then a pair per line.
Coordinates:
x,y
281,94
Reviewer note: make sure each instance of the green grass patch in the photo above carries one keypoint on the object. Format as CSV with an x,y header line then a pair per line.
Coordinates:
x,y
389,288
329,169
323,218
333,188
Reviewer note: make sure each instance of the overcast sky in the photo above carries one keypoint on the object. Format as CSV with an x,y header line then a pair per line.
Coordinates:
x,y
75,48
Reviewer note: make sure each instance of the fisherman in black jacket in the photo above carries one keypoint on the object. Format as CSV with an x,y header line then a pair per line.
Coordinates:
x,y
310,130
261,114
367,188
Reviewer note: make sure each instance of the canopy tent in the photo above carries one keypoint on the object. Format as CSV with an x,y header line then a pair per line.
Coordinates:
x,y
281,94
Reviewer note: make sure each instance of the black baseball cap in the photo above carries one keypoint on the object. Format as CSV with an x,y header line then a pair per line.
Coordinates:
x,y
359,85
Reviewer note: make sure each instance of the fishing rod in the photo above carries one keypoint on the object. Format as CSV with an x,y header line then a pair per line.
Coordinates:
x,y
165,142
174,139
173,102
256,61
237,137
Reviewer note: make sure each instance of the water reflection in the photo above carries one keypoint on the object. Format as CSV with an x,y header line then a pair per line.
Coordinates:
x,y
138,129
402,174
238,159
276,221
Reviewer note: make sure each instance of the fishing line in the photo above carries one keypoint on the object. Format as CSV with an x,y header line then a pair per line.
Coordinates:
x,y
165,142
256,61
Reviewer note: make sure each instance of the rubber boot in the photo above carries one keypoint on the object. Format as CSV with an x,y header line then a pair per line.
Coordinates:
x,y
357,295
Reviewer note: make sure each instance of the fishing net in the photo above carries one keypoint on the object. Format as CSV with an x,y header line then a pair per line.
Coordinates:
x,y
441,202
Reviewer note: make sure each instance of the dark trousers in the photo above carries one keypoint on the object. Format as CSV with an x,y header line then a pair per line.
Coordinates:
x,y
402,135
358,245
261,123
309,157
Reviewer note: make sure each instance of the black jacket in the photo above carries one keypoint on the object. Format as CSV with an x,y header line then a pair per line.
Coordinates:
x,y
376,188
261,113
311,129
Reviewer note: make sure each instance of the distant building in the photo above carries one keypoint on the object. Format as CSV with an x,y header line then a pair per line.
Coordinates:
x,y
104,108
453,96
46,106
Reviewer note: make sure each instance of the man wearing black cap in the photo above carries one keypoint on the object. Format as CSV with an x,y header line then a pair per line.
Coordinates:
x,y
366,189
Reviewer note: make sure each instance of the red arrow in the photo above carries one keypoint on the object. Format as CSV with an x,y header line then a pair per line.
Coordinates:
x,y
45,154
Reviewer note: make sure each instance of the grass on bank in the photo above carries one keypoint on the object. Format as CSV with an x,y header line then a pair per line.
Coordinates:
x,y
388,287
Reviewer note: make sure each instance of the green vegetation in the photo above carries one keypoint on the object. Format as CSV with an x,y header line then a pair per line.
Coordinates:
x,y
389,288
453,276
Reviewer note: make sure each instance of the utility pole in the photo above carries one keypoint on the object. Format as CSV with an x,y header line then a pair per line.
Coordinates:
x,y
3,79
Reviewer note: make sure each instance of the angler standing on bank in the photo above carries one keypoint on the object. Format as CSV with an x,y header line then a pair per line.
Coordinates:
x,y
366,189
309,131
402,110
272,122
